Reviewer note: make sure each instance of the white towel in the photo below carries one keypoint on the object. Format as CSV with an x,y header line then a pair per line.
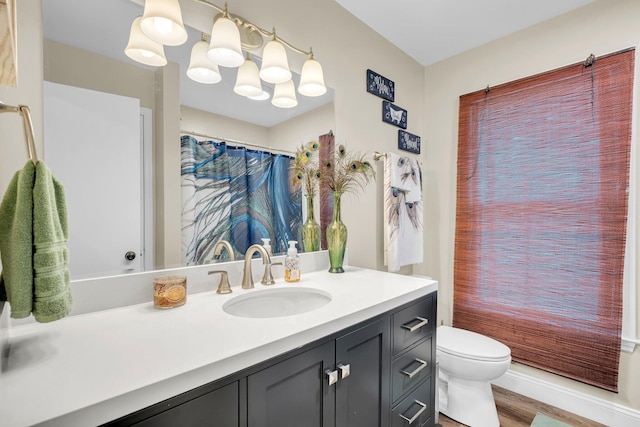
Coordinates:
x,y
405,175
403,210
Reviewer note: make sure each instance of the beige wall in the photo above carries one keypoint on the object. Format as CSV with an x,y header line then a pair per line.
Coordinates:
x,y
603,27
285,137
75,67
303,128
213,125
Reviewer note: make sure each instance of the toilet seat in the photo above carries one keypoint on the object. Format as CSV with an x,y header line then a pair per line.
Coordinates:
x,y
470,345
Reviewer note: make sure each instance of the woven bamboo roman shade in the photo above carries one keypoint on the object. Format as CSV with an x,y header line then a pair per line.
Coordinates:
x,y
542,191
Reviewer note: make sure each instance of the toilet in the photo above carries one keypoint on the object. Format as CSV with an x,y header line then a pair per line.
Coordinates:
x,y
468,361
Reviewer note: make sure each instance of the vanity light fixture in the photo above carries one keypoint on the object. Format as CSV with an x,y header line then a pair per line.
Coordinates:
x,y
275,64
225,49
248,79
201,68
162,22
284,95
312,78
142,49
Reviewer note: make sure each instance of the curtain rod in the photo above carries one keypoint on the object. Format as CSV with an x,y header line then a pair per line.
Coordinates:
x,y
235,141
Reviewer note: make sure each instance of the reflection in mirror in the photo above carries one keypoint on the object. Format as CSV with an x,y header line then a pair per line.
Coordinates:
x,y
120,171
238,195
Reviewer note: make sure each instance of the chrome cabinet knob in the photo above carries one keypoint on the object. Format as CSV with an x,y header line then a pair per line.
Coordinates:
x,y
345,370
332,376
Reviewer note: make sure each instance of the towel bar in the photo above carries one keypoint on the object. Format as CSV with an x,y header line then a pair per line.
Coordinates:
x,y
23,110
377,156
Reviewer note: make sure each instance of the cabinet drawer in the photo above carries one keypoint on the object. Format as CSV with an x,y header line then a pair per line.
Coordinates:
x,y
412,324
415,410
411,368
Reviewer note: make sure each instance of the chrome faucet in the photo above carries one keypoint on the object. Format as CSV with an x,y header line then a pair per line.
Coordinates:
x,y
247,278
217,249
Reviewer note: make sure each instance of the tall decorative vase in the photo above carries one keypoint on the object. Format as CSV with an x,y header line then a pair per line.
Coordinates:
x,y
336,237
310,229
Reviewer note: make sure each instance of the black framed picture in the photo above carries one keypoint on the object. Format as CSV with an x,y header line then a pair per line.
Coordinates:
x,y
394,115
408,141
380,86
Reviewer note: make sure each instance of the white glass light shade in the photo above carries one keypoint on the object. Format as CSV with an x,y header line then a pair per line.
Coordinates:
x,y
312,79
201,68
162,22
142,49
225,47
284,95
262,97
275,65
248,80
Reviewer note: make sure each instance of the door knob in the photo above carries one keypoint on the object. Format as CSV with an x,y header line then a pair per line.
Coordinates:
x,y
130,256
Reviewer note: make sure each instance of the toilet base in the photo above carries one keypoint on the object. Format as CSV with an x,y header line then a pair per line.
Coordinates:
x,y
468,402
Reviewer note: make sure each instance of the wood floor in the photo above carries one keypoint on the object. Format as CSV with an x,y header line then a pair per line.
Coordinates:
x,y
515,410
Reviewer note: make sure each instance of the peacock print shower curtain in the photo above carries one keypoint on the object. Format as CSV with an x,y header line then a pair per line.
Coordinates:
x,y
236,194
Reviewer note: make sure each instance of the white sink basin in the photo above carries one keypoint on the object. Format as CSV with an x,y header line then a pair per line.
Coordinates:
x,y
277,302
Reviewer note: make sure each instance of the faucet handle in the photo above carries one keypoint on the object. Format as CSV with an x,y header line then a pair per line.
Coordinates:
x,y
267,278
223,286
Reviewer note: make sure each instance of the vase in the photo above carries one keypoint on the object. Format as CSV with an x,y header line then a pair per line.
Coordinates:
x,y
310,229
336,237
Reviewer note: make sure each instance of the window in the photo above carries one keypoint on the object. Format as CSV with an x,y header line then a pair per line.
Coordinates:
x,y
542,198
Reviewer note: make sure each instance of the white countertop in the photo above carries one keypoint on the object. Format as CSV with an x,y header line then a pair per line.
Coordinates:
x,y
92,368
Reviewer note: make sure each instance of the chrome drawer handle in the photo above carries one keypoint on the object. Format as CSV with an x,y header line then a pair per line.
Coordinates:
x,y
417,414
417,326
423,365
332,375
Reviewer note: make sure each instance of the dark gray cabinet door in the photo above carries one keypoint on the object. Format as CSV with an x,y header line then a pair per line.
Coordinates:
x,y
362,397
295,392
219,408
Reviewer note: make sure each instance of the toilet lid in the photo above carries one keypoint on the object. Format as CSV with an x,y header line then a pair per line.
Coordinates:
x,y
470,345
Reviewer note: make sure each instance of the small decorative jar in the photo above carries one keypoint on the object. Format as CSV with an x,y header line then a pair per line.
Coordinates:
x,y
169,291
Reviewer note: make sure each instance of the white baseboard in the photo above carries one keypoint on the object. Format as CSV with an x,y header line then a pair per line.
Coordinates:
x,y
593,408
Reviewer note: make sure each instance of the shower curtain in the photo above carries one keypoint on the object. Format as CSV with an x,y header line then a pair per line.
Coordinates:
x,y
236,194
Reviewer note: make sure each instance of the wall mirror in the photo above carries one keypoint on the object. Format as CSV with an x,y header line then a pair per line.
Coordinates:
x,y
84,48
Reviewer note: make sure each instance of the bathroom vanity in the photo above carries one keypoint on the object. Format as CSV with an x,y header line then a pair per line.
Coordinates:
x,y
357,377
365,358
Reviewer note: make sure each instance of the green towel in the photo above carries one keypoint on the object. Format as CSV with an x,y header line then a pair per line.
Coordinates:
x,y
16,242
52,294
33,236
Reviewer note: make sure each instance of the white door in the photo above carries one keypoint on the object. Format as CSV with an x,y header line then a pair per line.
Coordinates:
x,y
92,145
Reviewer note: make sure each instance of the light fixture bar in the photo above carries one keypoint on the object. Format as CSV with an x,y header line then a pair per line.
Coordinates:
x,y
242,21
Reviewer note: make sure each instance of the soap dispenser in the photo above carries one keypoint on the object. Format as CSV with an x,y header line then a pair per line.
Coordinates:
x,y
266,243
292,263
